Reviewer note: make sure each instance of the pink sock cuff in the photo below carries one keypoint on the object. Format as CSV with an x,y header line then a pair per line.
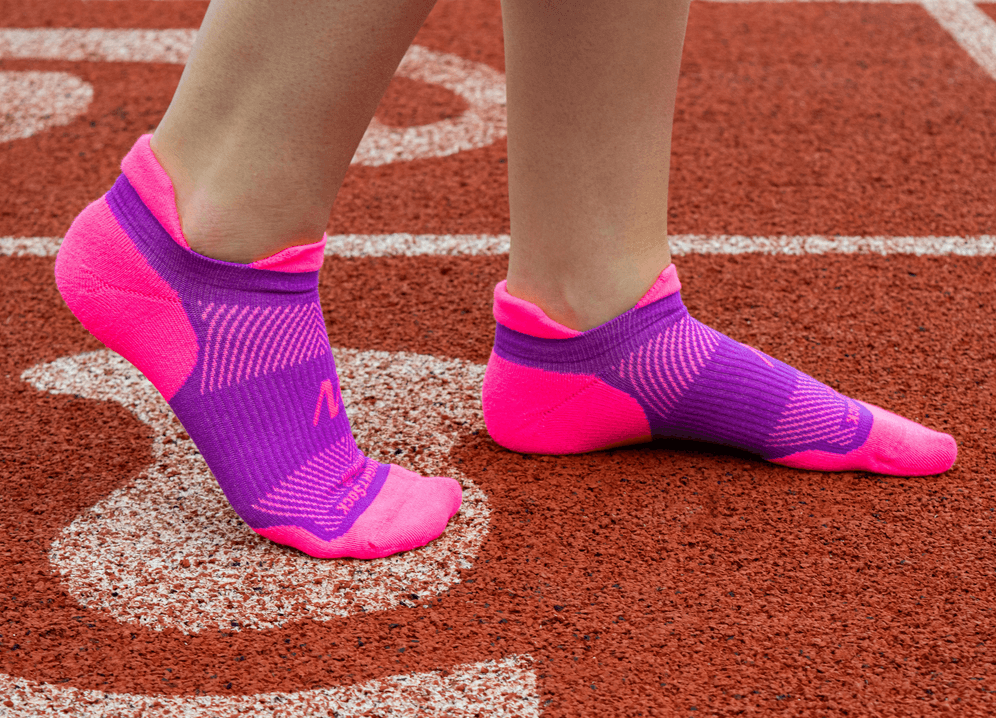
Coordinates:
x,y
526,318
154,186
666,285
302,258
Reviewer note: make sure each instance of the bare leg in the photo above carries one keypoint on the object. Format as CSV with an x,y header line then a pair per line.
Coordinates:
x,y
271,106
591,92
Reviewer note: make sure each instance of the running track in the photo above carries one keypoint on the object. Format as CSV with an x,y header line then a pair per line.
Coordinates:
x,y
833,203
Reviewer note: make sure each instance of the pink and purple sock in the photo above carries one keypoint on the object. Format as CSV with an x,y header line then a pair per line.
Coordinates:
x,y
241,354
655,371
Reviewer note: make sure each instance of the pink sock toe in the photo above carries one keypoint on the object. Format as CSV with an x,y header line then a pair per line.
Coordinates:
x,y
409,512
895,446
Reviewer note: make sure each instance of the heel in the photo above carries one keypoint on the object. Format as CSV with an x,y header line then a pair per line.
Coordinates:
x,y
534,411
121,300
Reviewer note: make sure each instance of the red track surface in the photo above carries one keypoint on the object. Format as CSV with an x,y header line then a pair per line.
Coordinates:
x,y
676,579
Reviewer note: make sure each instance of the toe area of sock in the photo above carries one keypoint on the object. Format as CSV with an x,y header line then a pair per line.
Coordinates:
x,y
896,446
409,511
899,446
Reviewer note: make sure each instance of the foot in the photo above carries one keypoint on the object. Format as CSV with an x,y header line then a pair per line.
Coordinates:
x,y
657,372
241,354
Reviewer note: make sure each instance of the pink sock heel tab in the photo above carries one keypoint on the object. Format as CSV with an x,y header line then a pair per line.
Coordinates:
x,y
301,258
666,285
154,186
526,318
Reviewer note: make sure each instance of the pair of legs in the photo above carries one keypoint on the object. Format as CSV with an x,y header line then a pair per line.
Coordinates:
x,y
276,97
200,267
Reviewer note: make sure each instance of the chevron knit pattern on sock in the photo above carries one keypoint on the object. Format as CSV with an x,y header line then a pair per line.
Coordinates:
x,y
655,371
241,354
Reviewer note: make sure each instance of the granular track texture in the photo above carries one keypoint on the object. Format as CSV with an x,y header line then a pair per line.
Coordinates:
x,y
668,579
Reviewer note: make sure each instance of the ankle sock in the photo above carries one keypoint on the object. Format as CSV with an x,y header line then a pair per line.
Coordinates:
x,y
241,354
655,371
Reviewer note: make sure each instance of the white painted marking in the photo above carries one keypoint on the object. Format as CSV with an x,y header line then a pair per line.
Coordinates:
x,y
415,245
970,27
786,2
481,124
29,246
386,245
496,689
34,101
97,44
481,87
982,246
169,551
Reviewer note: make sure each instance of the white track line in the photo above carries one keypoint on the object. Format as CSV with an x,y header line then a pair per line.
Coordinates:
x,y
497,689
970,27
97,44
29,246
984,246
400,244
414,245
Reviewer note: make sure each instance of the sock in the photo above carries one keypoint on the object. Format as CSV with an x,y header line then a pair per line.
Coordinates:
x,y
657,372
242,355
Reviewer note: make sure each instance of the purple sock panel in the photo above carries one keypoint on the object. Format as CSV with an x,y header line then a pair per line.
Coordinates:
x,y
250,401
694,383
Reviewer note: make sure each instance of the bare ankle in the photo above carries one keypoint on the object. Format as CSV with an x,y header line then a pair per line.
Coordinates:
x,y
228,216
588,297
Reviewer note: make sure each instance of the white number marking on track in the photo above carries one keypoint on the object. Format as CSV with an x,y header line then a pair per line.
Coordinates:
x,y
168,550
481,87
33,101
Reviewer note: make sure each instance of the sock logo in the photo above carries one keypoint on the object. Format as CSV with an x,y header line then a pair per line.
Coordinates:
x,y
853,412
326,393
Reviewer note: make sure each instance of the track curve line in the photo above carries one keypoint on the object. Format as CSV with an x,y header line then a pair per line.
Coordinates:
x,y
168,551
498,689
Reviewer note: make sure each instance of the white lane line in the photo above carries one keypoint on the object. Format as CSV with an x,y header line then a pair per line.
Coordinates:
x,y
29,246
982,246
167,551
498,689
412,245
970,27
97,44
786,2
415,245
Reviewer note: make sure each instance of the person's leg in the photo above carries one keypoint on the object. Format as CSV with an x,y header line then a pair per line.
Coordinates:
x,y
272,104
593,346
591,92
200,266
